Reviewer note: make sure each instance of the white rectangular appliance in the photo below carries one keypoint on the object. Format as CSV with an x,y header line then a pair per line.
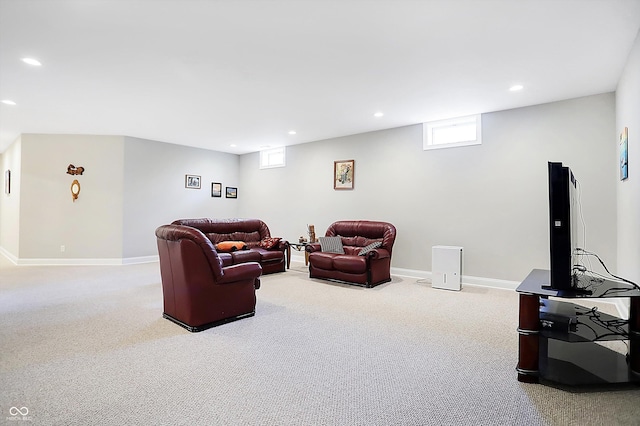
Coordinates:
x,y
446,269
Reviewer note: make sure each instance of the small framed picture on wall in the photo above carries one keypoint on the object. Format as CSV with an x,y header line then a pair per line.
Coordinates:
x,y
192,181
231,192
624,154
7,182
343,174
216,189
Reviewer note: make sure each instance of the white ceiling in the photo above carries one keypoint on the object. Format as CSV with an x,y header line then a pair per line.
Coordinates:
x,y
246,72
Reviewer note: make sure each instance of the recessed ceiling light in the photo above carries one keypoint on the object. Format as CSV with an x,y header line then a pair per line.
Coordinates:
x,y
516,87
233,145
292,132
31,61
8,102
378,114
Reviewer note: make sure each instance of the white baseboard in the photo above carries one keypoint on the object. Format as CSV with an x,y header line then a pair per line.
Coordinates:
x,y
621,304
69,262
420,274
9,256
140,259
297,257
78,262
411,273
466,279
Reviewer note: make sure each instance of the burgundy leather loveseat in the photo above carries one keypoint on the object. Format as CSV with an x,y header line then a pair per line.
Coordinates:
x,y
198,291
252,232
366,257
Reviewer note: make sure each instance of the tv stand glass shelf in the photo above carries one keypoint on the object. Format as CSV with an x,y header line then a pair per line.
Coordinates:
x,y
559,341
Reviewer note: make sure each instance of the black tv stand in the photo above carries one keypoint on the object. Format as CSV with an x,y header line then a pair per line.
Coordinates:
x,y
558,339
572,292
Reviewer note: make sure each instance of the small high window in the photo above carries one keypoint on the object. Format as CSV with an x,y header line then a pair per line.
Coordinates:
x,y
462,131
270,158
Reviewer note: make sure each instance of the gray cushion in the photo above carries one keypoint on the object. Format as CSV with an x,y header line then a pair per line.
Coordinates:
x,y
331,244
370,247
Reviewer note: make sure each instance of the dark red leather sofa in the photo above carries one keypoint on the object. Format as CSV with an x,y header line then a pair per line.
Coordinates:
x,y
198,291
249,231
367,270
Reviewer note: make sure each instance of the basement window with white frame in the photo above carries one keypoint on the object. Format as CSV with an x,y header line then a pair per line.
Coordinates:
x,y
270,158
461,131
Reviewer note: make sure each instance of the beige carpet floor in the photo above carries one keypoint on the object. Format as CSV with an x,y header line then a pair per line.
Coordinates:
x,y
88,346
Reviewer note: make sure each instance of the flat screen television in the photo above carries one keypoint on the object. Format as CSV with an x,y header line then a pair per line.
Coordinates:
x,y
563,228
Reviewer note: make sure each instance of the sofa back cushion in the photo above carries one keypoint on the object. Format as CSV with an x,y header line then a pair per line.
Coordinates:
x,y
251,231
361,233
246,237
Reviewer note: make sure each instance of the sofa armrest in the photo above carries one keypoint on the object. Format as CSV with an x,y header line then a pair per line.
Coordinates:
x,y
240,272
282,245
378,253
310,248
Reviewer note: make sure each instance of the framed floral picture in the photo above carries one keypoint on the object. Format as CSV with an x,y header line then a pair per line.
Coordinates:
x,y
343,174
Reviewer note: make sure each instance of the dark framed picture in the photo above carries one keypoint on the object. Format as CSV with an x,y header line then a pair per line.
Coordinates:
x,y
624,154
216,189
7,182
231,192
192,181
343,174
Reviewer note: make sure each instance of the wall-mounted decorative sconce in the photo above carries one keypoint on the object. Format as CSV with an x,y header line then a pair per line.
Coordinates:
x,y
73,170
75,189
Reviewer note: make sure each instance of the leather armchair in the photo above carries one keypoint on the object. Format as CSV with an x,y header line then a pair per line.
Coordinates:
x,y
198,292
368,270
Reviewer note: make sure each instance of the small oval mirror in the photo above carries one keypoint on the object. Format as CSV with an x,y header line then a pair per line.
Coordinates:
x,y
75,189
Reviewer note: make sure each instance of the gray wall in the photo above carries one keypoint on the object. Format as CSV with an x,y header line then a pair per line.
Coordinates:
x,y
155,193
90,227
491,199
130,187
10,203
628,115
